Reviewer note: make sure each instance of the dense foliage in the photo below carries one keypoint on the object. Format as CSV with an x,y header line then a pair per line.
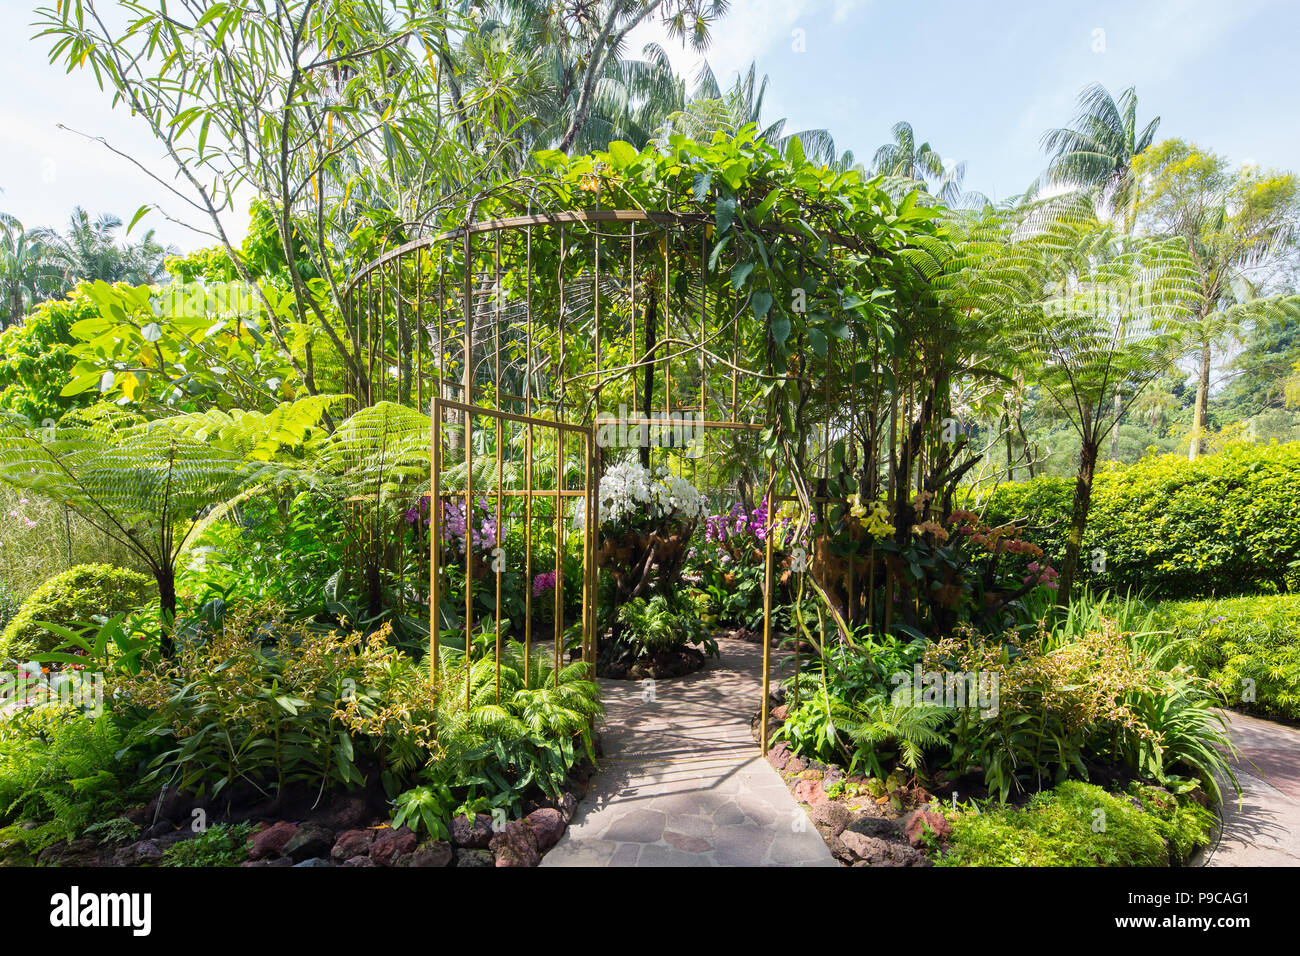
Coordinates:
x,y
1022,711
1249,647
1222,524
1078,824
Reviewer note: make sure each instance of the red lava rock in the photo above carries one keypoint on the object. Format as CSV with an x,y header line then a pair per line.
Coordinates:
x,y
832,816
779,755
780,713
516,845
915,828
353,843
390,844
437,853
346,812
272,840
547,825
810,792
359,861
475,834
795,765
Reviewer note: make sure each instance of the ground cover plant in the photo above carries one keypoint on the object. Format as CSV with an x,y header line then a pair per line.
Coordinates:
x,y
1079,824
1248,647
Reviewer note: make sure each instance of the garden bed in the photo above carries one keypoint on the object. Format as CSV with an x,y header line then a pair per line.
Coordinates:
x,y
348,829
897,823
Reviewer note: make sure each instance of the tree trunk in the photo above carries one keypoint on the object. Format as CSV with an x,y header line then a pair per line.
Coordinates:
x,y
1078,519
166,578
1114,435
15,306
1202,406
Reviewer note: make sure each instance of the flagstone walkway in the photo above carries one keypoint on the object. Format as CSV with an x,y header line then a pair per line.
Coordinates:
x,y
681,782
1264,829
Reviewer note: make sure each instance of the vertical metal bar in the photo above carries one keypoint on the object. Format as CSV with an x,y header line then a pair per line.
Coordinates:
x,y
595,297
559,545
632,282
593,511
528,549
589,552
528,451
419,328
469,465
498,554
559,376
668,328
435,530
370,339
767,615
704,311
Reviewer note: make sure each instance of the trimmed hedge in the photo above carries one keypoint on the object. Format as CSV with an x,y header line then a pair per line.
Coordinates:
x,y
1249,647
1223,524
73,597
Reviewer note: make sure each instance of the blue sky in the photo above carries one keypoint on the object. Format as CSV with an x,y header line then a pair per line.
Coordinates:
x,y
979,80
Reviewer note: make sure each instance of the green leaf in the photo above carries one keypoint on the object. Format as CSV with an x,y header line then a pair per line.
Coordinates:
x,y
623,154
139,214
701,185
762,302
739,273
780,329
794,151
81,383
725,212
817,339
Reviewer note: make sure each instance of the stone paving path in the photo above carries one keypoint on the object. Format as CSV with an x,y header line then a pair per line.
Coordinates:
x,y
682,783
1264,830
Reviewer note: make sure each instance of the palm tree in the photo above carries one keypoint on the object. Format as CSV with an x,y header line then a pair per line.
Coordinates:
x,y
89,251
26,273
573,84
1097,152
904,159
710,110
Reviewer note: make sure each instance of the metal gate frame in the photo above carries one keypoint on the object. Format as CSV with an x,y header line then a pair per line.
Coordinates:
x,y
587,494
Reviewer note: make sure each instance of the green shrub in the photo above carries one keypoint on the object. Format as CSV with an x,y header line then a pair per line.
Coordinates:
x,y
656,624
1024,710
1172,528
64,770
1078,824
219,845
36,359
73,597
260,702
1249,647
